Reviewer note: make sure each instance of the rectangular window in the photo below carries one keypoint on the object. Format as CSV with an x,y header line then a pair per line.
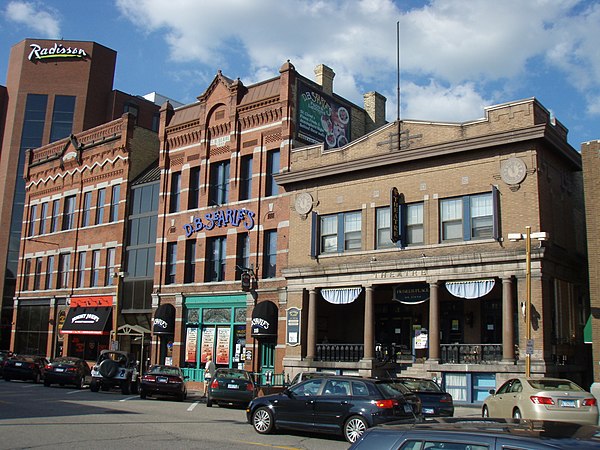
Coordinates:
x,y
194,191
272,188
243,254
87,206
26,274
219,183
43,214
100,200
383,225
468,217
352,231
175,189
64,263
81,269
216,258
246,178
32,220
34,122
69,213
171,262
37,274
55,216
114,203
49,273
109,278
270,254
414,224
190,261
340,232
95,275
329,235
62,117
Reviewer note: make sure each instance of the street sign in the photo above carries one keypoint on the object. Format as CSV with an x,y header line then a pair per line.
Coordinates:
x,y
529,348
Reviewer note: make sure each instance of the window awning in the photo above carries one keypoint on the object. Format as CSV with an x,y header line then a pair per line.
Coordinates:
x,y
470,289
264,319
87,320
341,296
164,319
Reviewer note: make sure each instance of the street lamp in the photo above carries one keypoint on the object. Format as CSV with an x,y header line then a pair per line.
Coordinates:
x,y
540,236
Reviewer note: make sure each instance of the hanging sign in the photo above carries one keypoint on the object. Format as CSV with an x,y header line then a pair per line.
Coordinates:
x,y
293,326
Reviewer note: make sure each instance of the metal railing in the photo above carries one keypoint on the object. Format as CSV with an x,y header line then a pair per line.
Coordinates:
x,y
470,353
340,352
260,378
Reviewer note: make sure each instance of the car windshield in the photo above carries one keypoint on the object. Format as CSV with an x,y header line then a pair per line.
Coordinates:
x,y
233,374
554,385
391,389
421,385
164,370
65,361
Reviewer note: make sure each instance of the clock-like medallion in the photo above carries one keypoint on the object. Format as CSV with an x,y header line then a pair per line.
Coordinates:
x,y
513,171
304,203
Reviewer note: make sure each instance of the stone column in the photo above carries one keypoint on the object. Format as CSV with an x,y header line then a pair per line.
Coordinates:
x,y
369,337
508,340
434,322
311,337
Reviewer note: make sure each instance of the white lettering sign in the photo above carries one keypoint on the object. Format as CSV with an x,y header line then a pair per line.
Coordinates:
x,y
220,141
160,323
56,51
85,318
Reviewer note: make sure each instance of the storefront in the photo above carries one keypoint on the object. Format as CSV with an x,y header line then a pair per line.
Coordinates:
x,y
163,326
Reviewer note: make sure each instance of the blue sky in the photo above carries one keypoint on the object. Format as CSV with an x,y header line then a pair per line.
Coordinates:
x,y
456,56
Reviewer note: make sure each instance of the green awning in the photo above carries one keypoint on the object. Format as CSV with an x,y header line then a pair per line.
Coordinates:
x,y
587,331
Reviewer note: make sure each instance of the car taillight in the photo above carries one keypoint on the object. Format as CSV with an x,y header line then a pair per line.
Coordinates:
x,y
446,399
386,404
175,380
589,402
541,400
214,384
72,369
149,378
48,367
250,387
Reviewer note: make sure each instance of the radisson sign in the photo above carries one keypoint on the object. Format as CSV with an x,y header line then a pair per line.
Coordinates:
x,y
39,53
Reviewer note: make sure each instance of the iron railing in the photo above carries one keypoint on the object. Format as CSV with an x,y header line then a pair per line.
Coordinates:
x,y
340,352
470,353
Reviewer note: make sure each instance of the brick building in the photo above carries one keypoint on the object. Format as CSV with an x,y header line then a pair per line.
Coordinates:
x,y
446,297
224,217
54,88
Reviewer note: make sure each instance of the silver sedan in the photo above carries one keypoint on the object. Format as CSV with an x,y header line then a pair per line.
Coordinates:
x,y
542,399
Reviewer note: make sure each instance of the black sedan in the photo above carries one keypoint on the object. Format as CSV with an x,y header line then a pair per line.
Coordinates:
x,y
4,355
24,367
67,370
435,401
336,404
164,380
231,386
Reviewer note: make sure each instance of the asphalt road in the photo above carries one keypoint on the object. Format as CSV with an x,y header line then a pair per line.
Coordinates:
x,y
33,416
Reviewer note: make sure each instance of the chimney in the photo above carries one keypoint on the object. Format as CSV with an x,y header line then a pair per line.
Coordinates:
x,y
325,76
375,108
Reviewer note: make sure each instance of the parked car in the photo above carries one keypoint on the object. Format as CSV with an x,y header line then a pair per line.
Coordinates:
x,y
473,433
434,400
24,367
163,380
67,370
302,376
333,404
542,399
115,369
4,355
232,386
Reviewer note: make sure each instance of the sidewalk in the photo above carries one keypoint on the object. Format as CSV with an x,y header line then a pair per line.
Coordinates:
x,y
467,410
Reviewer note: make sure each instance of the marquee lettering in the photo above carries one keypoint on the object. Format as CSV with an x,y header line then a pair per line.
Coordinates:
x,y
160,323
260,323
56,51
85,318
221,218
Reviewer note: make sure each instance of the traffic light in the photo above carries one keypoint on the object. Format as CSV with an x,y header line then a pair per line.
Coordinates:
x,y
246,281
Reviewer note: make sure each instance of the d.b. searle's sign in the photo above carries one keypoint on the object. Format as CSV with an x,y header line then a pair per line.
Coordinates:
x,y
221,218
39,53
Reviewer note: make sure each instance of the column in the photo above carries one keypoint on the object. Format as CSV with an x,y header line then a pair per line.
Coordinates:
x,y
508,340
369,337
434,322
311,338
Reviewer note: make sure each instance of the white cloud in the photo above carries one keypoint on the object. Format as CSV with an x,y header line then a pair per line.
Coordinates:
x,y
38,17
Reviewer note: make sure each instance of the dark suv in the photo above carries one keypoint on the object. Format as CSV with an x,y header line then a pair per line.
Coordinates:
x,y
343,405
115,369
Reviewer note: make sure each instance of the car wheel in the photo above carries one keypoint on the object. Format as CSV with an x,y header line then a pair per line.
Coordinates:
x,y
181,397
354,427
485,412
94,386
126,387
46,383
143,394
209,402
262,421
37,378
134,387
80,383
517,414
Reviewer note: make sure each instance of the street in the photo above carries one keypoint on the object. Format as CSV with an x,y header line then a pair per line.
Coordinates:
x,y
33,416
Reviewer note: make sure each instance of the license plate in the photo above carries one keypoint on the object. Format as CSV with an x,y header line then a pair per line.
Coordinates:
x,y
18,364
568,403
162,379
60,369
427,410
407,408
232,386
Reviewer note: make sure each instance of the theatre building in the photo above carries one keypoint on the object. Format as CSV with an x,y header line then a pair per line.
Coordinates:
x,y
223,227
81,231
54,88
408,253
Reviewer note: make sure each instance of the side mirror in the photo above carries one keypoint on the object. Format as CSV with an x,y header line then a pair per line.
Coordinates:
x,y
492,391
